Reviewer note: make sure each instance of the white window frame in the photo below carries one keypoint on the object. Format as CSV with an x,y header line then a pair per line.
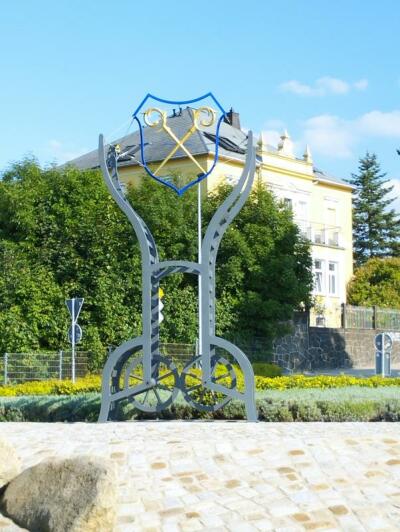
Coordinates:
x,y
320,270
334,275
288,202
304,215
331,207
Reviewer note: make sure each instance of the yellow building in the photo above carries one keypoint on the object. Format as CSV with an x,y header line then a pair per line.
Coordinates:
x,y
322,204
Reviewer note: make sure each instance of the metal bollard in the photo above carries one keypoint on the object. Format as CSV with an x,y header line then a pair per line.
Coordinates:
x,y
383,345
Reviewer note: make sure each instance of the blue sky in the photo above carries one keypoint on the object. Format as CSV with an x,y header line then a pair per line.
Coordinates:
x,y
327,71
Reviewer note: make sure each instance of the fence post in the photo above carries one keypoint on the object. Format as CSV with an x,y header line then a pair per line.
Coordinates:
x,y
60,353
374,317
344,315
5,368
73,366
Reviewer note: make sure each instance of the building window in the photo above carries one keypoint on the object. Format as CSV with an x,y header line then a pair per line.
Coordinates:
x,y
288,202
302,210
331,216
319,285
333,287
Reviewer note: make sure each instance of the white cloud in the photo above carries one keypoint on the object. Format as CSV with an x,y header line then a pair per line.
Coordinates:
x,y
323,86
330,135
271,136
296,87
62,153
378,123
337,138
332,85
361,84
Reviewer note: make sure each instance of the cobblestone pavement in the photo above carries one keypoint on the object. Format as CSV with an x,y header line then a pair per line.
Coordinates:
x,y
188,476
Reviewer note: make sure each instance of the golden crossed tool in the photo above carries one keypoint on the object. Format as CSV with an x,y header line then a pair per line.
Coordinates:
x,y
161,122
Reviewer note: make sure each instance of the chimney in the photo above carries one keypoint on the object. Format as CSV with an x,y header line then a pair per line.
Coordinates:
x,y
232,118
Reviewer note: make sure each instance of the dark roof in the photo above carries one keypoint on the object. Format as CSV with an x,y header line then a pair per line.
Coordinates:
x,y
322,176
232,143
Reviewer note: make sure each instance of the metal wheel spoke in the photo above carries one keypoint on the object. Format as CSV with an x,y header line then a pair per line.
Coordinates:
x,y
222,376
193,387
166,391
145,396
202,394
205,399
165,375
194,376
157,395
168,388
140,379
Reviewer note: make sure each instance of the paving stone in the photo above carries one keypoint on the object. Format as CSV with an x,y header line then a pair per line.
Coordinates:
x,y
184,476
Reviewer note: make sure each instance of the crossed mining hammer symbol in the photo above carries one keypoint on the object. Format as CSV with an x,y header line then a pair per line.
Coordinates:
x,y
160,122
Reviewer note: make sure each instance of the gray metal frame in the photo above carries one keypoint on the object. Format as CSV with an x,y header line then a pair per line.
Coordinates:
x,y
116,381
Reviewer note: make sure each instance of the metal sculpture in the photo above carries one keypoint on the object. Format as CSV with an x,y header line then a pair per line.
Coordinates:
x,y
136,370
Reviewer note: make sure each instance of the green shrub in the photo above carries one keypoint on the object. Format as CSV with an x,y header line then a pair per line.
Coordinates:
x,y
264,369
366,404
377,282
272,411
305,411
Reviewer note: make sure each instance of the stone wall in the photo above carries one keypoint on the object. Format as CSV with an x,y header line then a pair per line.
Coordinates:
x,y
290,351
310,348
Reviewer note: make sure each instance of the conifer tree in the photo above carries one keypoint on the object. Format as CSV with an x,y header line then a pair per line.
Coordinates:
x,y
376,227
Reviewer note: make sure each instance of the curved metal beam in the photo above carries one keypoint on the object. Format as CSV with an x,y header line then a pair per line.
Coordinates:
x,y
229,209
119,355
219,224
167,267
149,255
142,231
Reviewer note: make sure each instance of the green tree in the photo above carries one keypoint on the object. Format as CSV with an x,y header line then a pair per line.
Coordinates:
x,y
65,225
62,235
263,267
28,297
376,228
377,282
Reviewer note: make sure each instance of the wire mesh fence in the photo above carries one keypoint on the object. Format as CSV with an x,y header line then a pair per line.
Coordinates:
x,y
22,367
179,353
358,317
370,318
388,318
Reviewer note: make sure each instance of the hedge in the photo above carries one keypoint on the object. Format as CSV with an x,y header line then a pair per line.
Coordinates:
x,y
92,383
345,404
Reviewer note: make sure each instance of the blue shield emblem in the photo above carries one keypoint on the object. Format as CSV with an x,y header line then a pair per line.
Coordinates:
x,y
171,130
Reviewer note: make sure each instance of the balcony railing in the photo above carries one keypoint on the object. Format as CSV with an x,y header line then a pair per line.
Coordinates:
x,y
321,234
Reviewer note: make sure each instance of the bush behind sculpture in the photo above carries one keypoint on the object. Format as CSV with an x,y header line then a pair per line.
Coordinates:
x,y
61,235
377,282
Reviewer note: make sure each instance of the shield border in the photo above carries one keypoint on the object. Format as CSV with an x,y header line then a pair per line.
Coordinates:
x,y
200,177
